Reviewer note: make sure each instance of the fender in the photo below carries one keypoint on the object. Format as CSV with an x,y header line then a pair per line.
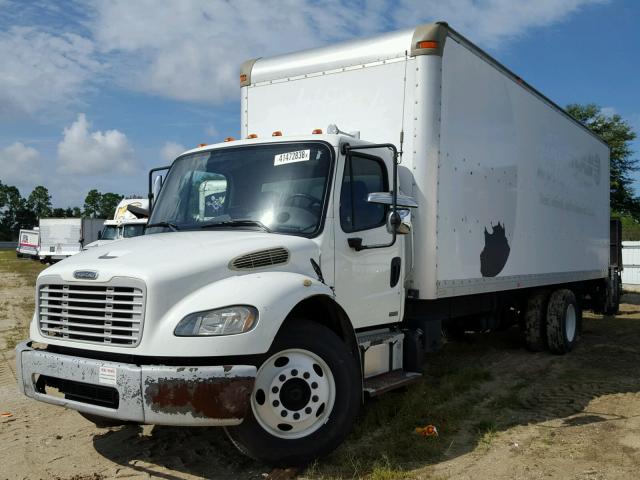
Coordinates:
x,y
274,294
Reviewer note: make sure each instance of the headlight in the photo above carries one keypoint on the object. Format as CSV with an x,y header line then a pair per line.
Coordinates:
x,y
220,321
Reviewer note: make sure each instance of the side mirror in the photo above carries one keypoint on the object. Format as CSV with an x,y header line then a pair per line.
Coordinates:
x,y
157,186
100,235
399,221
386,198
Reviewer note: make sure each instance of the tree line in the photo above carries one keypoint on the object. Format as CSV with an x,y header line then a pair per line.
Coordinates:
x,y
18,212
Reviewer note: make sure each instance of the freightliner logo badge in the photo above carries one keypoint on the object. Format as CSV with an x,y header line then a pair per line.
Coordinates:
x,y
85,275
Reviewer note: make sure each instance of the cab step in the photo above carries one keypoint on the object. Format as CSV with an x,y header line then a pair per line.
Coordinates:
x,y
380,384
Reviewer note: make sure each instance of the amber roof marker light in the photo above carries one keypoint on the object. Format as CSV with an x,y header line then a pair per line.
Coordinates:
x,y
428,44
277,133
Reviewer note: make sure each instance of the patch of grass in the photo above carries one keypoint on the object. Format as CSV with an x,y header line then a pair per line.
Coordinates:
x,y
486,430
384,443
25,268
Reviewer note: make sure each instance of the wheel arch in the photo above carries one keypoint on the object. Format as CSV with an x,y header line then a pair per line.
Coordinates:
x,y
326,311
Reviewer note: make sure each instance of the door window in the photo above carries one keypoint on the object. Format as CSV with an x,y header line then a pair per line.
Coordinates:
x,y
363,175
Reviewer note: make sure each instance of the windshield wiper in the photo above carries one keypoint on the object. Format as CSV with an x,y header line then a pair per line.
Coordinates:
x,y
170,225
238,223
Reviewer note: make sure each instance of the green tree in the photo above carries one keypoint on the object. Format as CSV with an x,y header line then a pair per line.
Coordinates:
x,y
92,203
58,213
13,212
39,202
76,212
108,204
618,134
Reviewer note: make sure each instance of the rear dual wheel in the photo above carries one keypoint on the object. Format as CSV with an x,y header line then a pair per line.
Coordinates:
x,y
552,321
305,400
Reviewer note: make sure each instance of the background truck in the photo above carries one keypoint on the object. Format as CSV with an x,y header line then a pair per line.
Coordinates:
x,y
455,197
28,243
62,237
129,220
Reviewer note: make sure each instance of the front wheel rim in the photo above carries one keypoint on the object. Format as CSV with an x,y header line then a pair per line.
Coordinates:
x,y
294,394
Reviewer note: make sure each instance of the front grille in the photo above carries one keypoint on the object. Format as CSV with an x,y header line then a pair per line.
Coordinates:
x,y
102,314
262,258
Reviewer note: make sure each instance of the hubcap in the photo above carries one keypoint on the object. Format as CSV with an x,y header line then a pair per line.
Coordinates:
x,y
294,394
570,322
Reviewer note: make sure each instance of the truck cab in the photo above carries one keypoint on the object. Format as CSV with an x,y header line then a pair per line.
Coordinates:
x,y
261,260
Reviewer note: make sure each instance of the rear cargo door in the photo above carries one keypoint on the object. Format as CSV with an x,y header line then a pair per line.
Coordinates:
x,y
367,282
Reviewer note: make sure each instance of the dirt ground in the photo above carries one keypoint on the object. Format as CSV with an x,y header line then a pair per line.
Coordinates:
x,y
501,412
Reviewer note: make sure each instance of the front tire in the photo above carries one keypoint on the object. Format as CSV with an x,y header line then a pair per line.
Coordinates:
x,y
305,400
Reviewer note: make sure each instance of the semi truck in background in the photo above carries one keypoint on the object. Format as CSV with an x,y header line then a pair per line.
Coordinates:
x,y
129,220
28,243
384,190
62,237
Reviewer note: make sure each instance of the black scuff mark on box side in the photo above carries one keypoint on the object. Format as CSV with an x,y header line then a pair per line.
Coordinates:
x,y
496,251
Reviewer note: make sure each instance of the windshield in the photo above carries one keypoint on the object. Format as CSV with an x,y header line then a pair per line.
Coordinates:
x,y
282,186
133,230
109,232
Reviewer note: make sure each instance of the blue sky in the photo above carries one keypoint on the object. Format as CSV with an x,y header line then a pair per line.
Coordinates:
x,y
93,94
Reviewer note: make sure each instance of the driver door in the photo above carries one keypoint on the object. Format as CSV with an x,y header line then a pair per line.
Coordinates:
x,y
368,283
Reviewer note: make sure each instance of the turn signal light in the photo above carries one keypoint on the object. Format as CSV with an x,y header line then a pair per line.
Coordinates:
x,y
317,131
428,44
252,135
277,133
229,139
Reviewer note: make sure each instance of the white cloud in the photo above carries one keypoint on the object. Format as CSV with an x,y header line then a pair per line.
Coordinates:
x,y
192,50
42,72
20,165
170,150
92,153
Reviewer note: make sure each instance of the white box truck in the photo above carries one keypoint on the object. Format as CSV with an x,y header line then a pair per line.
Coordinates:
x,y
28,243
328,263
129,220
62,237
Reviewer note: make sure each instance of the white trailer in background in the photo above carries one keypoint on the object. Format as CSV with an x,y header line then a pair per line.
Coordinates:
x,y
285,274
62,237
129,220
28,243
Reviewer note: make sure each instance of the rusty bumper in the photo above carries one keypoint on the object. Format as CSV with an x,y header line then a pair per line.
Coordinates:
x,y
152,394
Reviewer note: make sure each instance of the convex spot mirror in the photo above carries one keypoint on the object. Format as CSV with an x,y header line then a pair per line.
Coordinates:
x,y
400,220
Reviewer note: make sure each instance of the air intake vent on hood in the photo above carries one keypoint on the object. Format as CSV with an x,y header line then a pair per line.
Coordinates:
x,y
261,258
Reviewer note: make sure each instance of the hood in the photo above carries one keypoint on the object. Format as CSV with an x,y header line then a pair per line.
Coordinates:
x,y
200,257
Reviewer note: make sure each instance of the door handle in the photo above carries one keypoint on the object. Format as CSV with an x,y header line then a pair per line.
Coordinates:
x,y
396,264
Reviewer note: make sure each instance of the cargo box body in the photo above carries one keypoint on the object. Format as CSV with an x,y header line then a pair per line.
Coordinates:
x,y
63,237
512,191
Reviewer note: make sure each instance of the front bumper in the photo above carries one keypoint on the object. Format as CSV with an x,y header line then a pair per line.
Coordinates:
x,y
151,394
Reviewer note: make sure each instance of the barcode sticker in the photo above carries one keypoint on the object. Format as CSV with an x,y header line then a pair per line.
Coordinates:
x,y
107,375
292,157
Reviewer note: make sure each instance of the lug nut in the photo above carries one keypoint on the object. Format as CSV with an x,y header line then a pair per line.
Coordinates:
x,y
314,398
282,378
296,416
314,385
306,375
283,413
276,403
307,410
275,390
294,372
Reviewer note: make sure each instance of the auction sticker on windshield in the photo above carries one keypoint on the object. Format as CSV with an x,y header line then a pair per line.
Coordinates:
x,y
292,157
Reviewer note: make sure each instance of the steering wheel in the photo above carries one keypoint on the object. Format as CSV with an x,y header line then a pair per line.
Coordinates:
x,y
311,201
